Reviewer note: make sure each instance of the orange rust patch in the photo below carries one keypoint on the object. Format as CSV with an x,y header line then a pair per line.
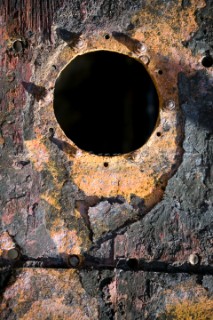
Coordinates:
x,y
6,243
119,178
67,241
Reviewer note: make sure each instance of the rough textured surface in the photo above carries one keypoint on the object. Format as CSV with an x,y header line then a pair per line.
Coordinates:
x,y
47,294
136,265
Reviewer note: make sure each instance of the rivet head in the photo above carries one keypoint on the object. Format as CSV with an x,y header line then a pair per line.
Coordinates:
x,y
13,254
81,44
145,59
141,48
18,46
74,261
170,105
193,259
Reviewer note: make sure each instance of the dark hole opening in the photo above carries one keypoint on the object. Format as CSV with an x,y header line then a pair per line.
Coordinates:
x,y
107,36
132,263
207,61
106,102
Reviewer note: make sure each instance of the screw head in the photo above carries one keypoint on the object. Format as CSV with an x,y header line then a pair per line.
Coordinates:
x,y
193,259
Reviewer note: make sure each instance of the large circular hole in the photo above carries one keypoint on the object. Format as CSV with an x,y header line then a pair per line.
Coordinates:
x,y
106,102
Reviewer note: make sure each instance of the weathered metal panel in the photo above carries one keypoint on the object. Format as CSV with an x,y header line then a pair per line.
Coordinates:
x,y
145,248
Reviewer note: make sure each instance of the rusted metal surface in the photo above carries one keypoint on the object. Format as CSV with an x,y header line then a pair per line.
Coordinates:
x,y
40,293
58,201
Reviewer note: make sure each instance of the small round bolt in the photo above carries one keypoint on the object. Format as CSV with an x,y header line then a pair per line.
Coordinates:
x,y
74,260
141,48
170,105
13,254
18,46
80,44
193,259
145,59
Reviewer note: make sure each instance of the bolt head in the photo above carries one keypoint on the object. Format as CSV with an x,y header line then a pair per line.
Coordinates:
x,y
74,260
81,44
145,59
18,46
13,254
141,48
193,259
170,105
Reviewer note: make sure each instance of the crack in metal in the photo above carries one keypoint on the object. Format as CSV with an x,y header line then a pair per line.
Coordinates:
x,y
93,263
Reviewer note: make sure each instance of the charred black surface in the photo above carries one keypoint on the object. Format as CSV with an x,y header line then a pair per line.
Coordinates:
x,y
5,274
202,40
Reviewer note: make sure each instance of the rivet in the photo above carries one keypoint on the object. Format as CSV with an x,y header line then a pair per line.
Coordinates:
x,y
13,254
141,48
18,46
80,44
145,59
170,104
75,261
193,259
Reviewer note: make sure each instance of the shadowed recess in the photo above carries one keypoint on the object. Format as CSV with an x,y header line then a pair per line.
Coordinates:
x,y
106,103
